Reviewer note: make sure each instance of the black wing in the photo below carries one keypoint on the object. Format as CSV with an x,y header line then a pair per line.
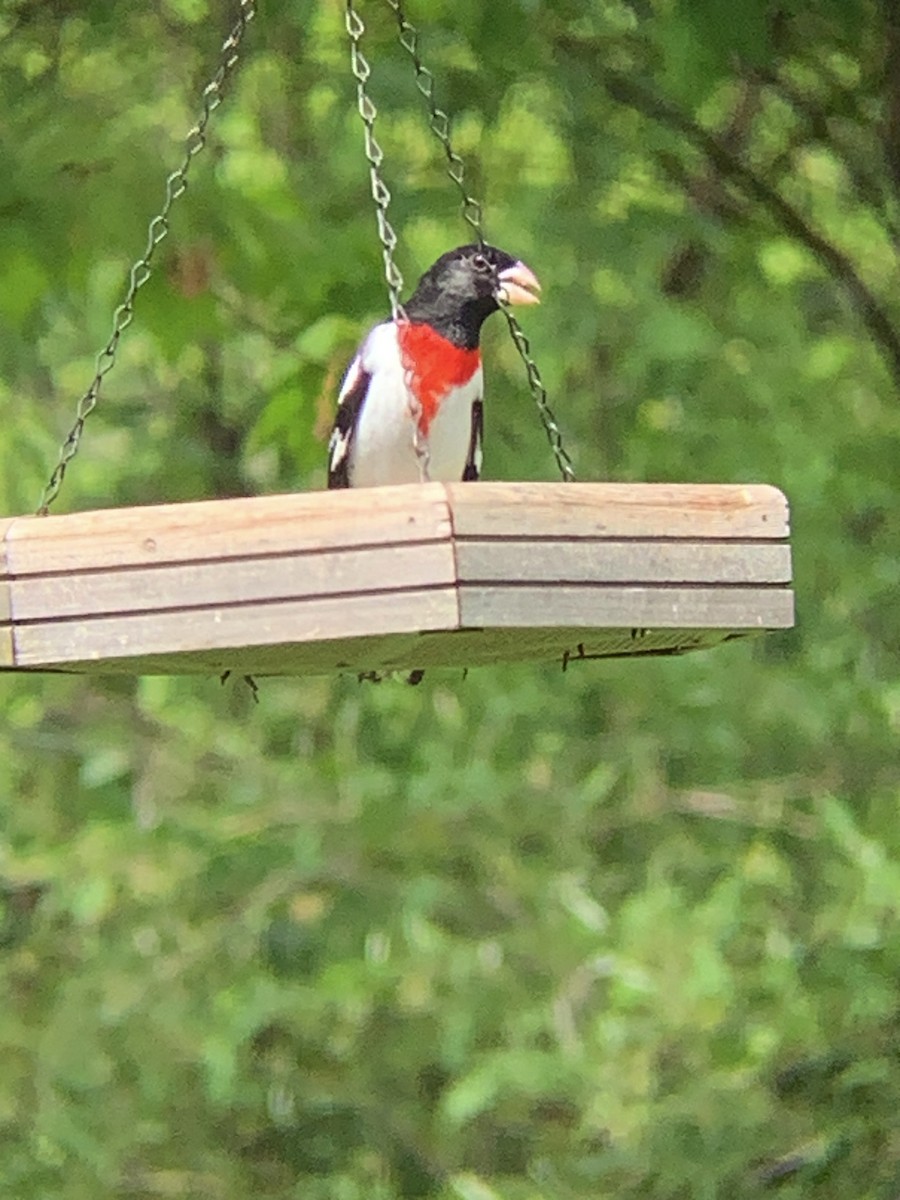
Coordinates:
x,y
346,422
472,470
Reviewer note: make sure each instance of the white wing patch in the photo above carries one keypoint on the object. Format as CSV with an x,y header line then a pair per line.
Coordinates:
x,y
352,376
338,447
339,442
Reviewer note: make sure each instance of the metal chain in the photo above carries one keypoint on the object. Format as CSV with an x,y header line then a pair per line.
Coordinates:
x,y
539,392
375,157
176,185
439,121
386,233
473,216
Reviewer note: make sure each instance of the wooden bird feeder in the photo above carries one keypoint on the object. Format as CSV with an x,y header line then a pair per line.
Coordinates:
x,y
394,578
387,578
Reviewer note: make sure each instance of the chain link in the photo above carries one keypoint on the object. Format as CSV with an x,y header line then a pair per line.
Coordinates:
x,y
386,234
473,216
539,392
439,122
375,157
176,185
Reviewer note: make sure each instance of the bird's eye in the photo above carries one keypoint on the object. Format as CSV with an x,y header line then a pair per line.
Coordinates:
x,y
480,263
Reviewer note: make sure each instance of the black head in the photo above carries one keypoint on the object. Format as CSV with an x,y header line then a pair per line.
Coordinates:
x,y
463,287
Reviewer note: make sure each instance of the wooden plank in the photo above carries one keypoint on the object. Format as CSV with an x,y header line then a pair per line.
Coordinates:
x,y
404,652
221,529
5,601
7,641
55,643
366,570
589,561
593,607
210,584
343,519
375,579
618,510
482,647
7,648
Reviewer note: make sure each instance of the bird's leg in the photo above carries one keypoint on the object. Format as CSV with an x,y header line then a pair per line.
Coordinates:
x,y
248,679
413,678
369,677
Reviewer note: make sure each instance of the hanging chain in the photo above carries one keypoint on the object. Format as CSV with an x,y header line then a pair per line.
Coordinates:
x,y
539,392
539,395
473,216
386,233
439,122
375,157
176,185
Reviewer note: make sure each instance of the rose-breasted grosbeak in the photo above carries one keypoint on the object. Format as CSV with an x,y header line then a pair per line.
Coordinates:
x,y
425,371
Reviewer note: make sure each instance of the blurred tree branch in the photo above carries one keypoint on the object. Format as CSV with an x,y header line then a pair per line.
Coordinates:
x,y
867,185
683,274
891,126
873,314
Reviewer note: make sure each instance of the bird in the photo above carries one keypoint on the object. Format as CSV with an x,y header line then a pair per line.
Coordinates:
x,y
410,407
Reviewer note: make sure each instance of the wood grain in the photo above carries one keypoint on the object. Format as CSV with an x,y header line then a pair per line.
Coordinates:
x,y
223,529
592,606
49,643
639,561
404,651
592,510
7,640
211,584
5,599
394,578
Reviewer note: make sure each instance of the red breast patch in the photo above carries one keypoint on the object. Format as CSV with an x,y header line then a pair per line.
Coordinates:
x,y
435,366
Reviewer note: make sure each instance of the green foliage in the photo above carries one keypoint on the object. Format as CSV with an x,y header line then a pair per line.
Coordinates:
x,y
629,931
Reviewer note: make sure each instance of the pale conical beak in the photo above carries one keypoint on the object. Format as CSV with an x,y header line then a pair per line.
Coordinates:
x,y
518,285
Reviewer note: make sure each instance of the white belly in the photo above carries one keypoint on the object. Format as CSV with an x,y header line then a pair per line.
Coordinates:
x,y
384,449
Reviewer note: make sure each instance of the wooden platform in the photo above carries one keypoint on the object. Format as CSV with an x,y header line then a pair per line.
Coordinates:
x,y
394,578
